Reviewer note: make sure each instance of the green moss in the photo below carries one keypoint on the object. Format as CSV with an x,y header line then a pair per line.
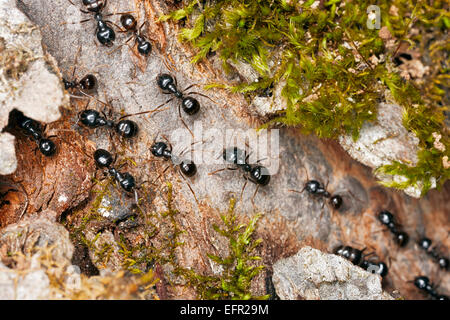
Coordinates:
x,y
328,82
239,268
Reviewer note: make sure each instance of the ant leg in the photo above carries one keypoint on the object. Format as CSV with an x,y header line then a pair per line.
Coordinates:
x,y
219,170
190,188
190,86
140,28
115,25
136,199
168,142
256,191
202,95
76,61
184,123
157,109
120,46
84,11
117,13
159,176
243,187
81,21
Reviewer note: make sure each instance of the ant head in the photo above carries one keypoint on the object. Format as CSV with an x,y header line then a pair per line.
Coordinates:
x,y
103,158
421,282
158,149
424,243
190,105
386,218
312,186
90,118
128,22
165,80
68,84
94,5
47,147
338,250
355,255
401,238
88,83
127,128
443,263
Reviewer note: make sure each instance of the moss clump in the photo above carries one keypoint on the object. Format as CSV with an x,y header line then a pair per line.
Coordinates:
x,y
238,267
333,69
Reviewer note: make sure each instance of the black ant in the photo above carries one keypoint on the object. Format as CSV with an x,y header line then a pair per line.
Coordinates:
x,y
425,244
387,218
168,85
144,47
126,181
314,187
357,257
257,174
87,83
31,127
105,34
162,150
92,119
187,167
190,105
424,284
125,128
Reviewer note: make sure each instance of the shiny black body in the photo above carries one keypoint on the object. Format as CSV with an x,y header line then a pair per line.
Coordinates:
x,y
168,85
433,252
387,218
256,174
314,187
161,150
105,34
130,24
31,127
424,284
94,5
88,83
104,160
93,119
357,257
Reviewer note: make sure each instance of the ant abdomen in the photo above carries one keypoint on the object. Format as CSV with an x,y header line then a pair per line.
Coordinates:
x,y
190,105
189,169
127,128
128,22
94,5
260,175
47,147
144,47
